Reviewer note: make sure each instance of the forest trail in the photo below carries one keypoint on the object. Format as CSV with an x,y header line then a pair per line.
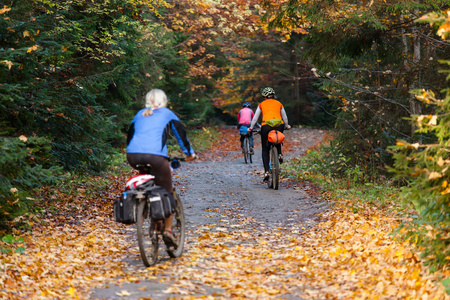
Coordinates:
x,y
243,241
230,213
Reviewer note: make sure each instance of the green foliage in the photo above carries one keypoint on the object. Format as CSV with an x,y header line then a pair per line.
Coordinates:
x,y
60,61
431,238
330,170
204,138
329,164
201,140
25,165
446,283
425,167
11,241
367,58
73,74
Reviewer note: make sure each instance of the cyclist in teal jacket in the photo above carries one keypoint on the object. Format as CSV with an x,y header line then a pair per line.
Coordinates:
x,y
147,144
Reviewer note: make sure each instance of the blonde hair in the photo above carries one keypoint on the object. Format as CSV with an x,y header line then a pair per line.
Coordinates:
x,y
154,99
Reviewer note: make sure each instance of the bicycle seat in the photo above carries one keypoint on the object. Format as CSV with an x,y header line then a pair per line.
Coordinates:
x,y
144,168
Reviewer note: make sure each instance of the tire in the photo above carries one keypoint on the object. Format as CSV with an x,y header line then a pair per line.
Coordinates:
x,y
270,181
178,228
249,155
147,237
275,167
246,149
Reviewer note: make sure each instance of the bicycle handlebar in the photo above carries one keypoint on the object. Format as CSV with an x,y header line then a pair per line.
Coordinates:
x,y
175,161
258,130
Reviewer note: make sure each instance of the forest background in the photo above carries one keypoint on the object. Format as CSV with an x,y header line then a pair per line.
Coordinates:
x,y
74,73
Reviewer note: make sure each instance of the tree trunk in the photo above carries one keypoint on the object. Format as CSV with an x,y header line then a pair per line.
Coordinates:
x,y
410,67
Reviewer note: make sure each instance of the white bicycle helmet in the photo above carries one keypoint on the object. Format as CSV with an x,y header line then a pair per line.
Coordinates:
x,y
267,91
137,180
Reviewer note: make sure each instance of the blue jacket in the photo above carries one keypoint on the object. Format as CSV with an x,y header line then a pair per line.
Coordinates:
x,y
148,135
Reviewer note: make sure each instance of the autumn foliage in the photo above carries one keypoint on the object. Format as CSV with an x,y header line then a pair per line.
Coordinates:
x,y
77,246
426,168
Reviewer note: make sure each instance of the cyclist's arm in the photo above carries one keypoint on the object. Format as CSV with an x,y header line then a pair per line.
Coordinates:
x,y
130,133
284,117
255,117
180,134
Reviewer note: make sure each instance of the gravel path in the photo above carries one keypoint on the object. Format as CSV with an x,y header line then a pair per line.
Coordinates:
x,y
220,192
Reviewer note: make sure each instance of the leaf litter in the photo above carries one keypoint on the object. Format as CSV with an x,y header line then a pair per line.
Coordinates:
x,y
346,256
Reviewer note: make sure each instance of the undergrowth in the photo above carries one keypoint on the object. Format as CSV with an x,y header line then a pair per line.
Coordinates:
x,y
341,182
200,139
332,172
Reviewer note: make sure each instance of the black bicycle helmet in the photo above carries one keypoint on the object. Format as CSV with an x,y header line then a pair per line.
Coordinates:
x,y
267,91
246,104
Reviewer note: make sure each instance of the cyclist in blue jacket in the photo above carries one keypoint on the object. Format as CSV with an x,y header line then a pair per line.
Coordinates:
x,y
147,144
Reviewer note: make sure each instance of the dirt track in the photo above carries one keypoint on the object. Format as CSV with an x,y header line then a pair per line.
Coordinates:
x,y
222,193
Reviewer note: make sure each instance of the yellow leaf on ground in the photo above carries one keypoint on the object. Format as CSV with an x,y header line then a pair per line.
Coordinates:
x,y
71,291
123,293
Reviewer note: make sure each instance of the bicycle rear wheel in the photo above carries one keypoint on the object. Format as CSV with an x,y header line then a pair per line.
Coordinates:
x,y
147,236
178,228
246,149
275,176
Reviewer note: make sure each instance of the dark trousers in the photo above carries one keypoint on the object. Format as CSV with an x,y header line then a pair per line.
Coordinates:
x,y
265,129
160,167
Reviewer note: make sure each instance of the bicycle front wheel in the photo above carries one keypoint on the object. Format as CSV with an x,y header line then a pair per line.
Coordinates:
x,y
178,228
275,178
147,236
246,149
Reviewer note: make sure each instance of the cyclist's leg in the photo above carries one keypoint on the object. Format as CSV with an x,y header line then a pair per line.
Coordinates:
x,y
241,137
251,140
242,141
160,167
265,146
161,171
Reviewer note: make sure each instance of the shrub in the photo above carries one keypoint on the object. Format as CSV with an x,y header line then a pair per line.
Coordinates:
x,y
24,166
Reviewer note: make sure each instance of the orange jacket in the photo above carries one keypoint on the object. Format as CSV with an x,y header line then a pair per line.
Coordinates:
x,y
271,109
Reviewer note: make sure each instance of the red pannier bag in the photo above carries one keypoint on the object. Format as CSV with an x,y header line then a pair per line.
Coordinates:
x,y
276,137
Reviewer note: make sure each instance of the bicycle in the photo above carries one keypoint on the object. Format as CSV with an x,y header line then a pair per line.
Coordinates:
x,y
274,163
149,230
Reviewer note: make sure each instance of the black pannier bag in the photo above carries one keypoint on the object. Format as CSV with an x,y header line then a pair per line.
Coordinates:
x,y
125,208
162,204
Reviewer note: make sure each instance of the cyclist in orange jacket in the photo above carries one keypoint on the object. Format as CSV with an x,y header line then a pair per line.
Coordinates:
x,y
274,118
